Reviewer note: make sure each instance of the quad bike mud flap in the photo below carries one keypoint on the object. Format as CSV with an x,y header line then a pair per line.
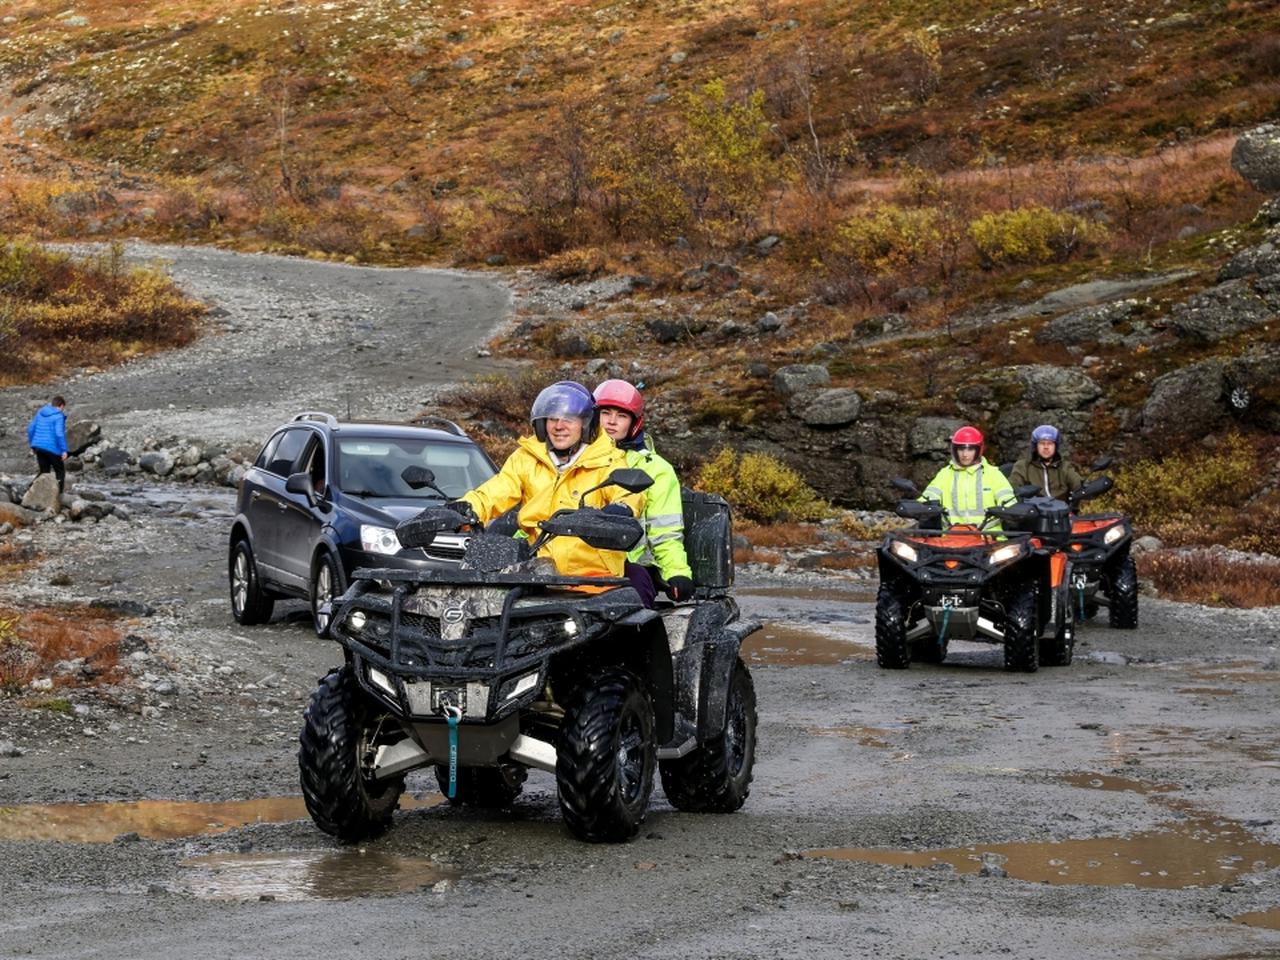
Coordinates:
x,y
719,658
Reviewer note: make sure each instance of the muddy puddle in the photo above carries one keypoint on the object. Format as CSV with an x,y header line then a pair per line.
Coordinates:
x,y
1196,852
1206,691
877,736
1235,673
168,499
154,819
1191,745
787,646
1265,919
311,875
1101,781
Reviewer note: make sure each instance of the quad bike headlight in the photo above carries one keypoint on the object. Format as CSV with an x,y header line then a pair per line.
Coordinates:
x,y
1114,533
513,688
1004,554
356,621
904,551
378,539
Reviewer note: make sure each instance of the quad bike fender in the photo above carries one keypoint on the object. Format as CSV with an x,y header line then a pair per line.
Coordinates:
x,y
718,659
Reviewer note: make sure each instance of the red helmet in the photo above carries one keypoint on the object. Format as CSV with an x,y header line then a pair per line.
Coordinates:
x,y
967,437
622,396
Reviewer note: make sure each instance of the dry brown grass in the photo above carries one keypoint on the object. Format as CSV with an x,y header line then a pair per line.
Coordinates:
x,y
778,535
33,640
15,557
1204,577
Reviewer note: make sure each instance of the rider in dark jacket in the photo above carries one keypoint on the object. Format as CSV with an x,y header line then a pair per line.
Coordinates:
x,y
1044,467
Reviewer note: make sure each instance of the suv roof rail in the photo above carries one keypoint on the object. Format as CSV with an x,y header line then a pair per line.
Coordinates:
x,y
317,415
428,420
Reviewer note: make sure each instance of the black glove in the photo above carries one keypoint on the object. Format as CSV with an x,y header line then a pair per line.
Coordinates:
x,y
464,508
619,510
680,588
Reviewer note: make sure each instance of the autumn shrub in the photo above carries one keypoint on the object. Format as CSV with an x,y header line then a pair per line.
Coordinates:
x,y
724,159
35,640
1032,235
1201,576
55,310
1157,491
888,237
761,487
579,263
633,191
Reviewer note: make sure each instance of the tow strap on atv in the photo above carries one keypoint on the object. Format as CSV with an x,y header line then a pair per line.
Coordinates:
x,y
942,630
453,715
1080,591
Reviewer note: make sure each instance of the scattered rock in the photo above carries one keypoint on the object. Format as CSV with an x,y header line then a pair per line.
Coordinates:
x,y
800,376
1221,311
158,462
826,408
1256,157
43,494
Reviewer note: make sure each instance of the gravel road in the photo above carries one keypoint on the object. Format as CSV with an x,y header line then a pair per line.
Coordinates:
x,y
1120,807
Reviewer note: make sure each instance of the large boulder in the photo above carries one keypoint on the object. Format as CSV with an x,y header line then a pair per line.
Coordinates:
x,y
795,377
113,459
1046,387
42,494
159,462
1256,157
81,435
1260,261
1221,311
18,516
826,408
1187,402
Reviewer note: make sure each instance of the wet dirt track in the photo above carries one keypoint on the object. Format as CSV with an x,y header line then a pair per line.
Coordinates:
x,y
911,814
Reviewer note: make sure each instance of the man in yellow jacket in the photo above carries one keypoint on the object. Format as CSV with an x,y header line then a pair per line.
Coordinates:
x,y
968,485
549,471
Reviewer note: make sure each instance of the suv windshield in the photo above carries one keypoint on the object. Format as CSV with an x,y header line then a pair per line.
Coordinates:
x,y
371,466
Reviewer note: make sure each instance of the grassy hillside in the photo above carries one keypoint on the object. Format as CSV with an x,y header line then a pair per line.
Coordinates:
x,y
877,174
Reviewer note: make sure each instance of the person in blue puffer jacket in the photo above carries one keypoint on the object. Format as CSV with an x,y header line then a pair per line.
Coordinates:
x,y
47,438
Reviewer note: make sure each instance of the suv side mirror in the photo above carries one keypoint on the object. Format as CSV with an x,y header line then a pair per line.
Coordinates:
x,y
301,483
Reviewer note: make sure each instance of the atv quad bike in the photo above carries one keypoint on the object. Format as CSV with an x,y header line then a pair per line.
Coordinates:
x,y
504,665
1102,572
970,583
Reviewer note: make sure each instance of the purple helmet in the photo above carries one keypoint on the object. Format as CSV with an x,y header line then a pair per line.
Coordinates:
x,y
565,398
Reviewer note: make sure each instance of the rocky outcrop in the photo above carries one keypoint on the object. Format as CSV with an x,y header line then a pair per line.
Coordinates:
x,y
1108,325
1222,311
1203,397
1256,157
1046,387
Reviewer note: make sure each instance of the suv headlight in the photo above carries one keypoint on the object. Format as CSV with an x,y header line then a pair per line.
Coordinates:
x,y
378,539
904,551
1004,554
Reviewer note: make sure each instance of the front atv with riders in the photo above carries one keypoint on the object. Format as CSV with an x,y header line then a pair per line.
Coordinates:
x,y
504,665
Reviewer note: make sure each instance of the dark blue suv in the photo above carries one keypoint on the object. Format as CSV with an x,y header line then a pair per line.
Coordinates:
x,y
324,497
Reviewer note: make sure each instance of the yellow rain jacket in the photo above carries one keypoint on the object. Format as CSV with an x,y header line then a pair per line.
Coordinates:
x,y
530,478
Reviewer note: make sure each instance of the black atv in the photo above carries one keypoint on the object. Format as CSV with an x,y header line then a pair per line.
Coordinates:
x,y
503,665
971,583
1102,572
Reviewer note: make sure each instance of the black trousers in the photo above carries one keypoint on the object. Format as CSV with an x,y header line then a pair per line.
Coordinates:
x,y
52,461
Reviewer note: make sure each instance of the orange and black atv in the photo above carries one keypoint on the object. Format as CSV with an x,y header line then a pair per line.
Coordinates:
x,y
1102,572
973,583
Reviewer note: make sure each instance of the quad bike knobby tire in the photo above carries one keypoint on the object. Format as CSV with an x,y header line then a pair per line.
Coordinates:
x,y
250,604
342,801
1122,594
716,777
488,787
605,757
1021,645
892,652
